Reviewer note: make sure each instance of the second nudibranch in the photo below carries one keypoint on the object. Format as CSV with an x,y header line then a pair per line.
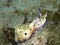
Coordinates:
x,y
39,22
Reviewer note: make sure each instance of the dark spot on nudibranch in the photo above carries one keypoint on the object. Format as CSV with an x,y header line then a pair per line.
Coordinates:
x,y
38,24
32,43
34,25
30,29
25,33
20,31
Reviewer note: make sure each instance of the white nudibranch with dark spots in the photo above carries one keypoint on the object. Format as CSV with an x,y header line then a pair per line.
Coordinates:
x,y
39,22
25,31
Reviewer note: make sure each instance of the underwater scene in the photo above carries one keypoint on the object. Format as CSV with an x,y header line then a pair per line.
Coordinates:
x,y
29,22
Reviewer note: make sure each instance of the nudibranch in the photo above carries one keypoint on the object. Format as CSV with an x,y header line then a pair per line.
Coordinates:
x,y
39,22
23,32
